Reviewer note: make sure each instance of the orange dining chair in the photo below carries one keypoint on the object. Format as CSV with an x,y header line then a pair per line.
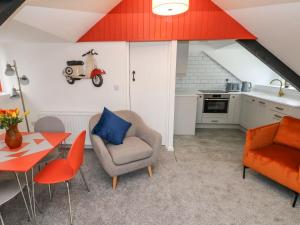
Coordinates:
x,y
63,170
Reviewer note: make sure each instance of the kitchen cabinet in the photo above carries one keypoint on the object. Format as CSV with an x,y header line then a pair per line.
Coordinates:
x,y
248,112
259,112
200,108
234,109
185,115
262,113
220,119
295,112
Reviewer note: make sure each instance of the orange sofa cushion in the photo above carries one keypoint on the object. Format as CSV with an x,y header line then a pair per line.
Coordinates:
x,y
278,162
289,132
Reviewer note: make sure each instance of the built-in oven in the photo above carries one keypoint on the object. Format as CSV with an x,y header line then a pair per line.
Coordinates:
x,y
216,103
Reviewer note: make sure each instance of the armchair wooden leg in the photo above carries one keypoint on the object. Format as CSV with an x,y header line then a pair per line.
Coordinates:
x,y
114,182
150,171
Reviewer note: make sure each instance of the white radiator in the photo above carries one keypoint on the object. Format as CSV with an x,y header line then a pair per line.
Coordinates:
x,y
74,123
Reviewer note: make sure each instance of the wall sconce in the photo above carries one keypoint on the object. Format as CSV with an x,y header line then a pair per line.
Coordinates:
x,y
12,70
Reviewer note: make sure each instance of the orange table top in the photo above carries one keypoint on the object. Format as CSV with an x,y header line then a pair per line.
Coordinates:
x,y
35,147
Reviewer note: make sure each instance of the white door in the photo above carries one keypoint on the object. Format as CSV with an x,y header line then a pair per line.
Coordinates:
x,y
150,83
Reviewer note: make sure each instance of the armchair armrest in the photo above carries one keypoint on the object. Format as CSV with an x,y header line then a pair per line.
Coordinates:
x,y
100,149
261,136
152,137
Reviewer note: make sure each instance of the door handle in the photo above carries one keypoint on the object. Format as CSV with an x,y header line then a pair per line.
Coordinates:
x,y
133,75
279,108
277,116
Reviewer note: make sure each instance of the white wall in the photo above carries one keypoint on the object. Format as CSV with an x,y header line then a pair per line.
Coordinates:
x,y
3,78
48,89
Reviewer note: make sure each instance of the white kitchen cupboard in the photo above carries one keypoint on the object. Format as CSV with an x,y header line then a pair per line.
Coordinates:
x,y
234,109
295,112
257,112
248,112
185,115
149,82
262,113
200,100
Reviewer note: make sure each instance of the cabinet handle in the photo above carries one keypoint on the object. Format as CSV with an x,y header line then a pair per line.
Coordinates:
x,y
262,102
279,108
277,116
215,121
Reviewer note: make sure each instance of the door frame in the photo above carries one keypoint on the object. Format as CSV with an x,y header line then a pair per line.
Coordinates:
x,y
171,96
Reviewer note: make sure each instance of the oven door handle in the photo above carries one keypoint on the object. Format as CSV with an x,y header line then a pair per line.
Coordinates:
x,y
219,99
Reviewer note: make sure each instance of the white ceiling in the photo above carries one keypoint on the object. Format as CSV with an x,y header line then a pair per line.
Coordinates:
x,y
276,24
54,20
63,23
238,4
97,6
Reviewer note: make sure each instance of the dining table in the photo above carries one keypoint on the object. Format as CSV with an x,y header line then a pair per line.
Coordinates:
x,y
35,146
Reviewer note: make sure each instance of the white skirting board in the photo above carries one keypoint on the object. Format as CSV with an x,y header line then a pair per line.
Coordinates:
x,y
74,123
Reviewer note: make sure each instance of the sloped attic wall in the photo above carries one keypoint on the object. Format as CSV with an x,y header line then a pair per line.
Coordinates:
x,y
275,23
235,59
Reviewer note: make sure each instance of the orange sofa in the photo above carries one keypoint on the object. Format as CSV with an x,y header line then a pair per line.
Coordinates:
x,y
274,151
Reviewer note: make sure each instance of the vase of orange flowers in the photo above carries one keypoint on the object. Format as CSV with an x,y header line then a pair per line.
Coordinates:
x,y
9,120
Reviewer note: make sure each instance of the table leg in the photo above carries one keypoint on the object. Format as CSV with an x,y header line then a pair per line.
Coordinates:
x,y
29,194
21,189
33,198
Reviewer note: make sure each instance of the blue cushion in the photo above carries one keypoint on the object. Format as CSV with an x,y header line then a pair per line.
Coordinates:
x,y
111,127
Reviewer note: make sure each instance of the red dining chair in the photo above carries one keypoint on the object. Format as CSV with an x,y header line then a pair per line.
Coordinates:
x,y
63,170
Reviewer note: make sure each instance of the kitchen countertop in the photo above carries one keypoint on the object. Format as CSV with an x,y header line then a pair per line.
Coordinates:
x,y
288,101
187,93
281,100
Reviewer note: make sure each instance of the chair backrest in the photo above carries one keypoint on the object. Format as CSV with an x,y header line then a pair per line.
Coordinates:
x,y
75,155
49,124
8,187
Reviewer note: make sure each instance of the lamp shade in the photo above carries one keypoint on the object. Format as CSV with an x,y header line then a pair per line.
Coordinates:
x,y
169,7
9,71
24,80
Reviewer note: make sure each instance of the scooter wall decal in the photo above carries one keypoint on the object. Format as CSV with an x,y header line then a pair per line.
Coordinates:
x,y
76,70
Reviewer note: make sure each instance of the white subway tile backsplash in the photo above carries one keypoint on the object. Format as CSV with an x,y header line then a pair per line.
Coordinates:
x,y
204,73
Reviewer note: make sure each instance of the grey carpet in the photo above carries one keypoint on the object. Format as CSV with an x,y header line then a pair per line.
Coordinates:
x,y
203,187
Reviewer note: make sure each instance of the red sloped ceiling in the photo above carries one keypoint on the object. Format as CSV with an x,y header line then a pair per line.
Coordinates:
x,y
133,20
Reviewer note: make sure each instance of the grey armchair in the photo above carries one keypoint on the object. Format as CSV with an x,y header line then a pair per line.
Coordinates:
x,y
140,148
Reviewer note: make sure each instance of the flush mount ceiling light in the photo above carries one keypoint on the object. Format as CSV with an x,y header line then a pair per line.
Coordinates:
x,y
169,7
